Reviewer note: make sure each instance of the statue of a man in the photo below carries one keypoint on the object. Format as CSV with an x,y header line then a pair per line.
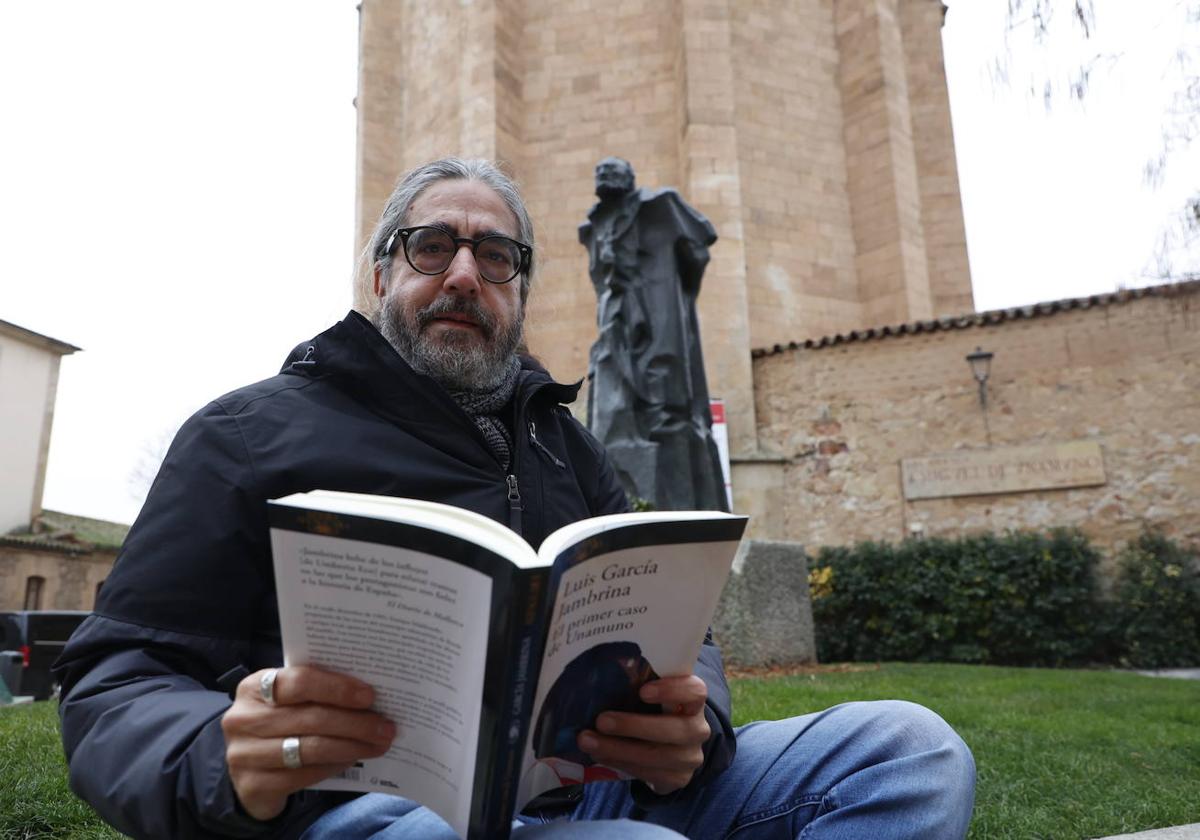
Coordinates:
x,y
649,401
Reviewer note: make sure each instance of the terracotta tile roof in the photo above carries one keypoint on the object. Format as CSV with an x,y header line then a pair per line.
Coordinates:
x,y
979,319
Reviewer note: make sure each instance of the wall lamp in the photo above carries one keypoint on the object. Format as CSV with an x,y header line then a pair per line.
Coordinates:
x,y
981,367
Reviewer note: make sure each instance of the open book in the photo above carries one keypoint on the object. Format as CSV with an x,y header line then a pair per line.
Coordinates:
x,y
491,657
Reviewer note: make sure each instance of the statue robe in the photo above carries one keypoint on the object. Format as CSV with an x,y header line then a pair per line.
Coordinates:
x,y
648,402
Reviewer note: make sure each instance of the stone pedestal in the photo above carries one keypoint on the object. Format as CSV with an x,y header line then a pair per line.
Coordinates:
x,y
764,616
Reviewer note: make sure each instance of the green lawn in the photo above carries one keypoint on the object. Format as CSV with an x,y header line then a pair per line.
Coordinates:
x,y
34,798
1061,754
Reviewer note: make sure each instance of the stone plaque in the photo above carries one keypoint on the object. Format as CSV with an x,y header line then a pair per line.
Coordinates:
x,y
1007,470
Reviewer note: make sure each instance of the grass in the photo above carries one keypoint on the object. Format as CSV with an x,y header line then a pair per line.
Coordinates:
x,y
1061,754
34,798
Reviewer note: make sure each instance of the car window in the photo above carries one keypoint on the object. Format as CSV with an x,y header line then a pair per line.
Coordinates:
x,y
52,627
9,637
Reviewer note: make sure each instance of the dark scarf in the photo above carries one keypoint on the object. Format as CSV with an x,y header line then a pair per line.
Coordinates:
x,y
484,406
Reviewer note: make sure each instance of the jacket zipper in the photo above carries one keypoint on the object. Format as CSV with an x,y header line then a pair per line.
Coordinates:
x,y
514,504
515,507
539,445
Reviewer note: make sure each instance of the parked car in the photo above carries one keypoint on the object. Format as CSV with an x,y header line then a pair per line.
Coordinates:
x,y
39,636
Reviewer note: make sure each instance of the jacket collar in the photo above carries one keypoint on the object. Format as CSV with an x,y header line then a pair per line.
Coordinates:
x,y
353,352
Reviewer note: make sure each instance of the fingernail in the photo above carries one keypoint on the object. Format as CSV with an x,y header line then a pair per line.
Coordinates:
x,y
650,693
588,741
386,731
605,723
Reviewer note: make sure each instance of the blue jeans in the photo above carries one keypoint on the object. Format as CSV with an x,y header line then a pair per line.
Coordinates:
x,y
879,770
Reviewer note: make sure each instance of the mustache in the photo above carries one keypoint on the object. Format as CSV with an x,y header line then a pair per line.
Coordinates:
x,y
463,306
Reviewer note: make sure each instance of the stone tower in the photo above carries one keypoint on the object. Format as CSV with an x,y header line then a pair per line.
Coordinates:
x,y
814,134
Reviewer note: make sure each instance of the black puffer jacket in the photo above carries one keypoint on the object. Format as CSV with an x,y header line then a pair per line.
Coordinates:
x,y
190,606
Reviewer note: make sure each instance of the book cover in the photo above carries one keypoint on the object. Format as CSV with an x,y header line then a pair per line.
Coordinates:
x,y
488,656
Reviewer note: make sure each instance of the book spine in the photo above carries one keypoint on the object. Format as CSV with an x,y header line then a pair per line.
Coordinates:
x,y
512,729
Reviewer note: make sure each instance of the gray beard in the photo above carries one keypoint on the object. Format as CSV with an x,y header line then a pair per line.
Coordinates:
x,y
456,362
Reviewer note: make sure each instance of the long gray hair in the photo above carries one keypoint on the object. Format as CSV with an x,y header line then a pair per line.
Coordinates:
x,y
395,215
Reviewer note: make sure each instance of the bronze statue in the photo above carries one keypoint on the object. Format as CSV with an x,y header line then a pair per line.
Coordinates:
x,y
648,402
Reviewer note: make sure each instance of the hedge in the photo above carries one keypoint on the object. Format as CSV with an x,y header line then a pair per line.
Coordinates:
x,y
1156,605
1019,598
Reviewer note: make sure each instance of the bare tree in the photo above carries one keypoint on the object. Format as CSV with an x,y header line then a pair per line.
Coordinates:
x,y
1177,256
145,469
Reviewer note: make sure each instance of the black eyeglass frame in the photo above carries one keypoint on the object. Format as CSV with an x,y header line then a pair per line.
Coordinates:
x,y
403,234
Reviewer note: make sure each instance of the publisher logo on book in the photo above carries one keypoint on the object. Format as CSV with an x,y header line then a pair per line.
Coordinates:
x,y
319,522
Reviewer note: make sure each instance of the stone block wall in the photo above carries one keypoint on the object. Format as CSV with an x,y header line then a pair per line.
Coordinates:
x,y
884,195
71,579
595,79
796,219
792,124
1124,372
937,170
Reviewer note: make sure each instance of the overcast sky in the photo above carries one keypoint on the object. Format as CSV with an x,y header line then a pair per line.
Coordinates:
x,y
177,194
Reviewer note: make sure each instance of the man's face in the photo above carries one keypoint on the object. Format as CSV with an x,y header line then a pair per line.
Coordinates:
x,y
454,326
614,177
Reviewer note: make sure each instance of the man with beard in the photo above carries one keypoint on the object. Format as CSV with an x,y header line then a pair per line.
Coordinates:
x,y
177,716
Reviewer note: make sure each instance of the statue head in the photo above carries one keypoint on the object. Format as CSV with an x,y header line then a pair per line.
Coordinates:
x,y
614,178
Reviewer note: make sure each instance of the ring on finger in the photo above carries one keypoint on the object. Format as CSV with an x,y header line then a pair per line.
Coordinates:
x,y
291,753
266,686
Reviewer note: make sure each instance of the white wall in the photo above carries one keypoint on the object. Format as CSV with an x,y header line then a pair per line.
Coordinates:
x,y
28,376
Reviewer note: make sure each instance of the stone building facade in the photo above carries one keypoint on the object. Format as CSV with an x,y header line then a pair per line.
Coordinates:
x,y
1117,373
59,563
815,134
29,364
48,560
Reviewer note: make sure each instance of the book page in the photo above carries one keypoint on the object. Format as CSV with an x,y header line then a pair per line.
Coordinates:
x,y
408,623
619,619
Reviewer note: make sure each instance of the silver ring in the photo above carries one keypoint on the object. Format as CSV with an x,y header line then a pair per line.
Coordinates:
x,y
291,753
266,686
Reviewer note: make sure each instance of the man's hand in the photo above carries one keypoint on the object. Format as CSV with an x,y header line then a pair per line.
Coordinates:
x,y
664,751
328,712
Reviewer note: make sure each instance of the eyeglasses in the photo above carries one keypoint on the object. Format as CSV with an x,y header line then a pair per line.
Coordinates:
x,y
430,250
